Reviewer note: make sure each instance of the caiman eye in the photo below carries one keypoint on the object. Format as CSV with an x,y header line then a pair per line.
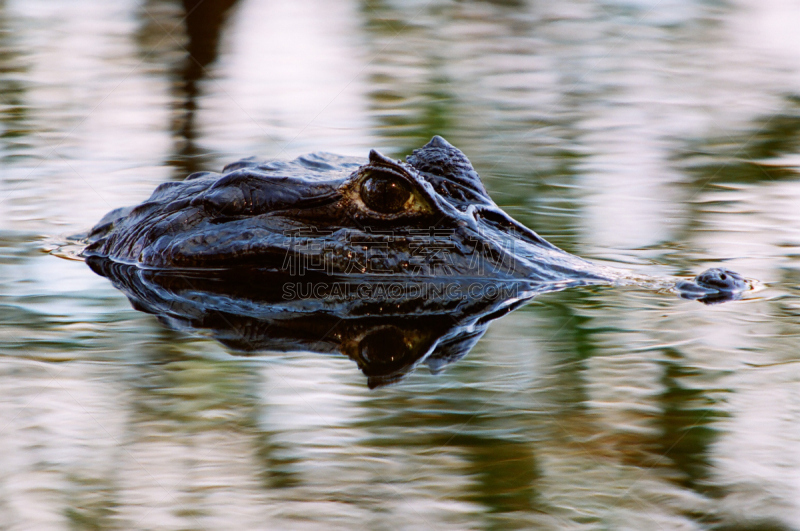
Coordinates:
x,y
385,194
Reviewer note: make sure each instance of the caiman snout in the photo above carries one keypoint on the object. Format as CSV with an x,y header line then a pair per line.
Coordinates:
x,y
714,285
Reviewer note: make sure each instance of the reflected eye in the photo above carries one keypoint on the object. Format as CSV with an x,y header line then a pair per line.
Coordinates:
x,y
383,346
385,194
384,351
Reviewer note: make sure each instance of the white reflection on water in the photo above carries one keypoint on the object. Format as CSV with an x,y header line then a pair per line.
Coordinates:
x,y
80,81
294,82
589,409
752,463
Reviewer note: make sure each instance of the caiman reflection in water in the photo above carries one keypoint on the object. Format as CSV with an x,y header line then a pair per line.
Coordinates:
x,y
387,329
391,263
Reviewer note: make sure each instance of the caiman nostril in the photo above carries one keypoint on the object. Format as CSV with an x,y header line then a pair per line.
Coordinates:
x,y
721,279
714,285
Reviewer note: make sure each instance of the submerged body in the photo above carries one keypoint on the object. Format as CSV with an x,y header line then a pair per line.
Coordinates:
x,y
426,217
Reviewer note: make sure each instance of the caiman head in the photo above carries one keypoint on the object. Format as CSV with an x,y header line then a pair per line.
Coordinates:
x,y
403,263
427,216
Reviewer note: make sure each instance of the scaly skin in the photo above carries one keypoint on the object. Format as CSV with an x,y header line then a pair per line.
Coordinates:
x,y
426,217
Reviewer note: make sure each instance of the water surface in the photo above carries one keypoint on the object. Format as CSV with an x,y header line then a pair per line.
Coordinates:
x,y
660,135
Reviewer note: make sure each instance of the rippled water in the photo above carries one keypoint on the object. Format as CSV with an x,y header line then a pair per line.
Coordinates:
x,y
661,135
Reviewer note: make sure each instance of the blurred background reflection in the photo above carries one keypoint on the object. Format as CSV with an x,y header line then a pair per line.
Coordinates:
x,y
662,135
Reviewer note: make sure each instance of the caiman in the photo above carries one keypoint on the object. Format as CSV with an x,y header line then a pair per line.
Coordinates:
x,y
427,217
394,264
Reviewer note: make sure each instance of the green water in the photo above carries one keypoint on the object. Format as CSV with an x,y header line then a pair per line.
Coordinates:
x,y
664,136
